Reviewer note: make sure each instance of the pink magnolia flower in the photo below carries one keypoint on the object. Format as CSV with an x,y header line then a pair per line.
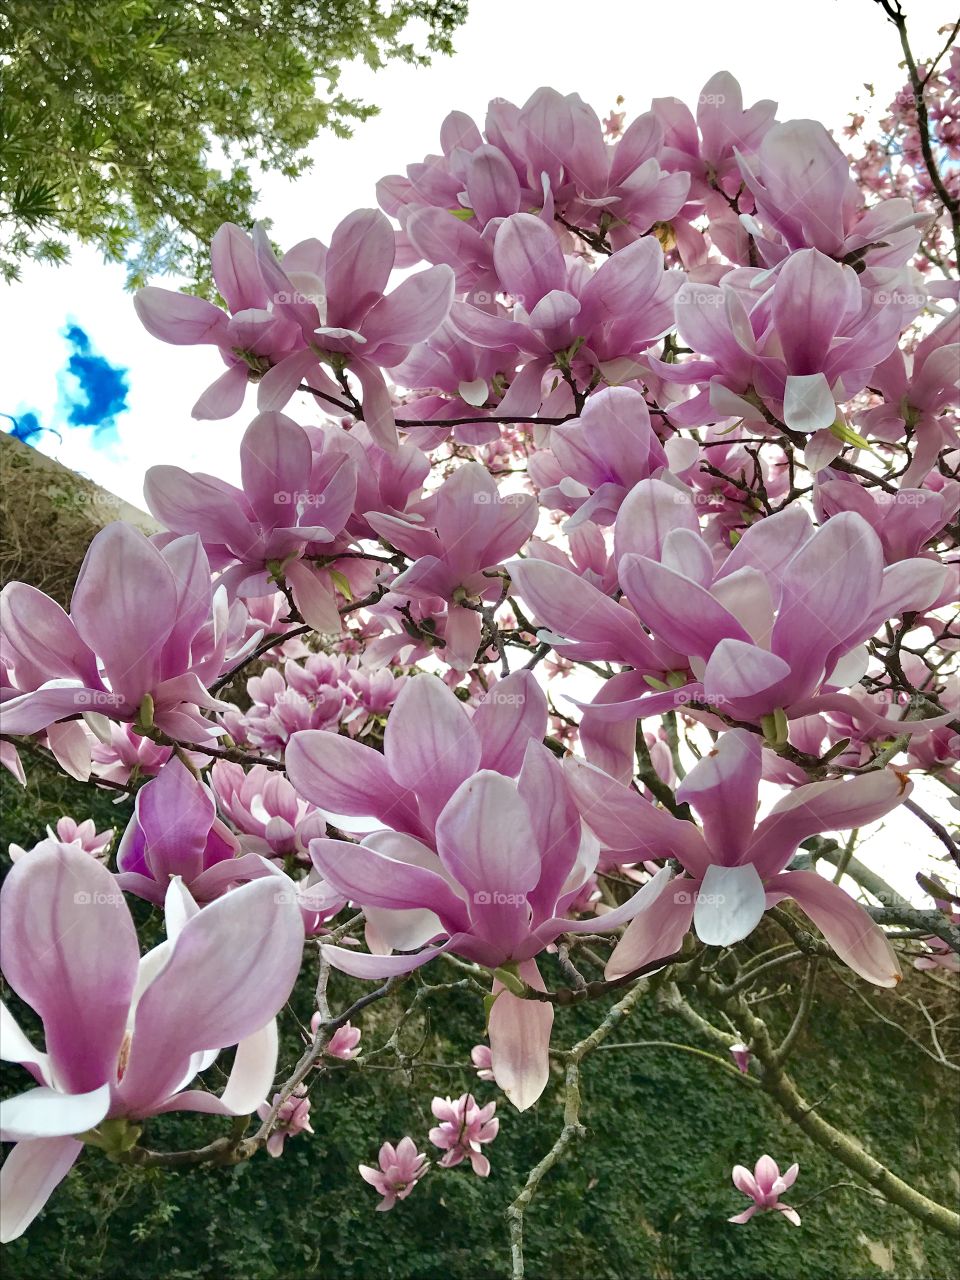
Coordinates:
x,y
252,339
905,521
454,379
127,755
806,342
741,1055
939,955
779,625
706,146
431,745
599,457
314,694
551,154
806,198
316,305
463,1127
599,320
144,621
294,503
765,1186
346,320
125,1036
175,832
390,482
401,1168
343,1044
82,835
376,691
262,805
629,187
916,392
482,1059
468,526
511,861
735,868
292,1118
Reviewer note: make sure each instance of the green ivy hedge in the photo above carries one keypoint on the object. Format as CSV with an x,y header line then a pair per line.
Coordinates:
x,y
646,1195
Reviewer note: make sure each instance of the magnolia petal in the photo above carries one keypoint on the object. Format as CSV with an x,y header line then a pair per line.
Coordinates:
x,y
730,904
69,949
30,1174
360,965
659,926
857,940
249,1082
47,1113
519,1033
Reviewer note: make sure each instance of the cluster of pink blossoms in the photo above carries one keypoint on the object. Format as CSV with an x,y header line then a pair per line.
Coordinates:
x,y
658,441
464,1127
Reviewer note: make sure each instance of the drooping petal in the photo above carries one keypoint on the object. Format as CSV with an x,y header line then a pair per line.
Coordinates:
x,y
360,965
314,597
837,804
857,940
30,1174
377,404
519,1033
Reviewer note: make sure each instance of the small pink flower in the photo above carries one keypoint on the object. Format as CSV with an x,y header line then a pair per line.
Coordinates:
x,y
741,1055
463,1127
82,834
765,1186
344,1041
482,1058
292,1118
401,1168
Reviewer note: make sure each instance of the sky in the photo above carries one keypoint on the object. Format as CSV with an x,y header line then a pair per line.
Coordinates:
x,y
814,65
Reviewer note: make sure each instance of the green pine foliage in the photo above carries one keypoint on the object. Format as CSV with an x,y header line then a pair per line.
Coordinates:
x,y
140,126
